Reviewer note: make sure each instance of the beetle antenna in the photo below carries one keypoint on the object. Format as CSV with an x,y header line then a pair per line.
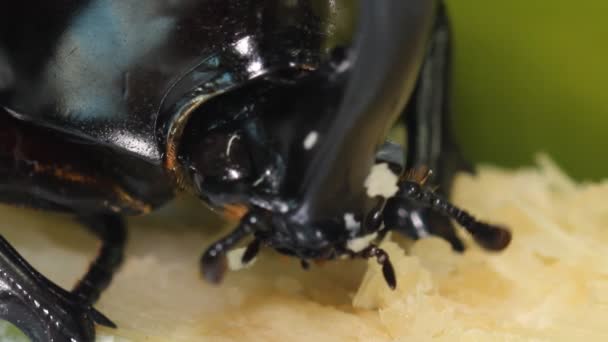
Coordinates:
x,y
489,236
214,262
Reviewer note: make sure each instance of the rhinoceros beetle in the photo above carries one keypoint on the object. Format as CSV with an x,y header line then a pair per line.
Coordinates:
x,y
108,108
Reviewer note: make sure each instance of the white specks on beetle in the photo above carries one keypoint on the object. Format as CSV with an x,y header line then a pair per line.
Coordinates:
x,y
311,140
243,46
255,67
235,259
358,244
381,181
350,223
418,224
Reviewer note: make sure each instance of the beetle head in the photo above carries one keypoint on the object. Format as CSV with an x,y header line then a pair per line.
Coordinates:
x,y
296,235
283,151
314,135
313,239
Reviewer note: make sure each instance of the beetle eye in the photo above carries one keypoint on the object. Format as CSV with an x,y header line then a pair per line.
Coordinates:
x,y
222,157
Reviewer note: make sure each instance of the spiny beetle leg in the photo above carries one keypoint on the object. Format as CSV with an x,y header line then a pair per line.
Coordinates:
x,y
112,232
40,308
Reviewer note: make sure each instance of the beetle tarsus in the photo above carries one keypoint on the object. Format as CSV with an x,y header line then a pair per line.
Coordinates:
x,y
112,232
214,262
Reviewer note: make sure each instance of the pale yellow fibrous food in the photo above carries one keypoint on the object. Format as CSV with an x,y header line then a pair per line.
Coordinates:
x,y
551,284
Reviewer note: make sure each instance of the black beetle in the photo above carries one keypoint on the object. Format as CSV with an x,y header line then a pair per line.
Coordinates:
x,y
109,107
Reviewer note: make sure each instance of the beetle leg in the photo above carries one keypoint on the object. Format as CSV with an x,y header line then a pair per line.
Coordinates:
x,y
431,143
43,310
213,261
413,195
113,234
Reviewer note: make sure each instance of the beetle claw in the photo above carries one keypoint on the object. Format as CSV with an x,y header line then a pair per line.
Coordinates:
x,y
40,308
101,319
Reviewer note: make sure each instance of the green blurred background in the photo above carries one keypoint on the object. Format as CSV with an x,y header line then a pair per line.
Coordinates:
x,y
531,76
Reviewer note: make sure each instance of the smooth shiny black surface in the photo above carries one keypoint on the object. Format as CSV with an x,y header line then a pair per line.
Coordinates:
x,y
44,311
108,107
347,105
49,169
103,69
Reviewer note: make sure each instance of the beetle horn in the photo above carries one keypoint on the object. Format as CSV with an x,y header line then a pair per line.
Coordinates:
x,y
344,154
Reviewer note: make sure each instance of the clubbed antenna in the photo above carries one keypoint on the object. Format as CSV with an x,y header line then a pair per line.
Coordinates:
x,y
489,236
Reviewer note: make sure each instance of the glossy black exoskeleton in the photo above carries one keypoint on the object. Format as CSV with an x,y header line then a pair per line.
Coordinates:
x,y
109,107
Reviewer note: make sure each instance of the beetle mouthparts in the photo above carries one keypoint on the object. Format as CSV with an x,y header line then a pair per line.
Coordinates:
x,y
214,267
